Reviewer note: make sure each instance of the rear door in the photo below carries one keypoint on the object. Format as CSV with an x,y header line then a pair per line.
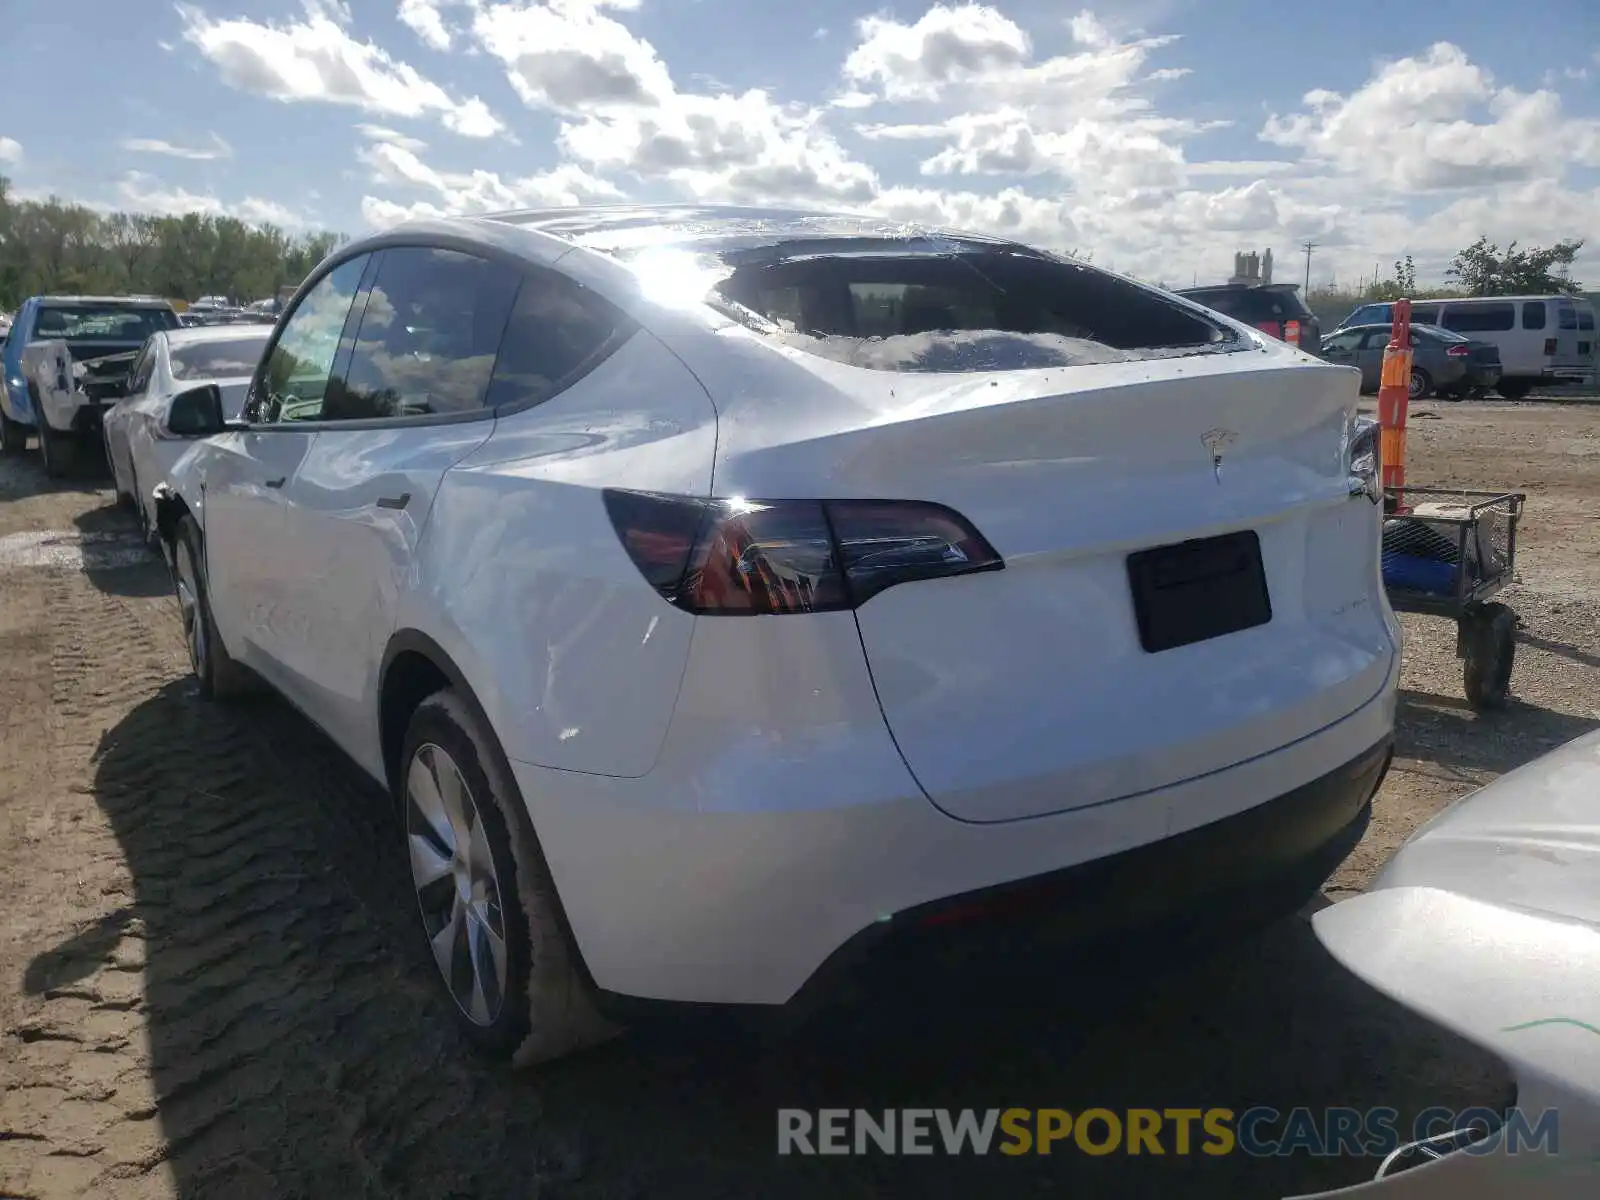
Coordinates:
x,y
1573,349
408,404
1370,357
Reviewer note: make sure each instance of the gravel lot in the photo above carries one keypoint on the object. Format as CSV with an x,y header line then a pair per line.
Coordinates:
x,y
210,984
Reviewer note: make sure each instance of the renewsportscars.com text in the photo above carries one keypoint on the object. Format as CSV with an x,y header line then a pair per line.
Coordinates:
x,y
1258,1132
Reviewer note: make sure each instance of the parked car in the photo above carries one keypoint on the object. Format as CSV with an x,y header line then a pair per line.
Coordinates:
x,y
139,445
1487,922
88,342
1275,308
1543,340
725,592
1443,362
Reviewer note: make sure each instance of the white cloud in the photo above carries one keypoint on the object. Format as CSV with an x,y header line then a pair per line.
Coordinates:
x,y
1065,132
10,150
945,45
217,149
316,58
382,133
1436,122
426,21
142,192
470,191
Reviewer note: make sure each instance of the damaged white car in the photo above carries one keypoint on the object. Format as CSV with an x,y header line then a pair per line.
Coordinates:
x,y
1488,922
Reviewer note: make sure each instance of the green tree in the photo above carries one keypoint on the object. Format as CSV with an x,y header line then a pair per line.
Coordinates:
x,y
1482,269
53,246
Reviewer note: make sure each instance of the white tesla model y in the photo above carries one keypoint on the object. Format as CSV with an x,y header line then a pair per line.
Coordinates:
x,y
723,591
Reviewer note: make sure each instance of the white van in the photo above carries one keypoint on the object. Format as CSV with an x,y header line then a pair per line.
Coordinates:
x,y
1543,340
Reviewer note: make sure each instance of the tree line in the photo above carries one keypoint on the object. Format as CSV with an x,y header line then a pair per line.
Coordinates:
x,y
52,246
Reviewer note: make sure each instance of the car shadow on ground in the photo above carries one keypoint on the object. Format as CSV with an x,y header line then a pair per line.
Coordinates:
x,y
298,1045
1445,730
115,557
24,474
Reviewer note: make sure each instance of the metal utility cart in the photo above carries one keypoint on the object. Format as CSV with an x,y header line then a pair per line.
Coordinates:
x,y
1448,552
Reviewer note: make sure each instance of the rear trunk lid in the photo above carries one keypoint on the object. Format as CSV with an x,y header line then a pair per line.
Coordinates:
x,y
1090,669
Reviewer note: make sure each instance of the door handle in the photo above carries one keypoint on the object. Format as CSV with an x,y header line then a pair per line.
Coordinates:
x,y
400,501
278,482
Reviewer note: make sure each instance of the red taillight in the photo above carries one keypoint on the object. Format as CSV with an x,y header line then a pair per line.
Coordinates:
x,y
750,557
1550,345
1458,351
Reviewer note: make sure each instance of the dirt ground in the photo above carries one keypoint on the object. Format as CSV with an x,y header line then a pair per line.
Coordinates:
x,y
210,985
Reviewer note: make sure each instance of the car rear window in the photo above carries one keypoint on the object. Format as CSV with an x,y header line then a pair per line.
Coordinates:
x,y
228,359
891,305
101,323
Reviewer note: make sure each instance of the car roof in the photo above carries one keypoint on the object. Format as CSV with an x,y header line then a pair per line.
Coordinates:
x,y
115,301
618,228
188,335
1366,327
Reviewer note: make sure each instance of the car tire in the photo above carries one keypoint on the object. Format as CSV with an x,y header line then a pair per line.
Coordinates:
x,y
13,436
1421,384
125,499
219,677
491,919
1491,649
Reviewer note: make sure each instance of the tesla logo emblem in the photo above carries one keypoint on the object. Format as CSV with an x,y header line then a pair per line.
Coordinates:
x,y
1216,441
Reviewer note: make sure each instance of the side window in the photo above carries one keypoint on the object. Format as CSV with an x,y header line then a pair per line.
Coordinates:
x,y
1481,318
429,333
1341,341
1586,317
1566,315
1424,316
558,331
1377,339
1533,314
294,380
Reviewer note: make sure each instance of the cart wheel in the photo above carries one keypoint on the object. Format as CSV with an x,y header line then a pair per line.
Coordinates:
x,y
1491,646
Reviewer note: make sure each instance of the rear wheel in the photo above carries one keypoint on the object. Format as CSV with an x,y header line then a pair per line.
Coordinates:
x,y
487,903
1491,648
1421,384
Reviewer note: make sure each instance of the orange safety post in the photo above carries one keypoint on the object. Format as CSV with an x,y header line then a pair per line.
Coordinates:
x,y
1394,395
1291,332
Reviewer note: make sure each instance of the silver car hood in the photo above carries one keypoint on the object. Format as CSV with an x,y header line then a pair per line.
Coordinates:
x,y
1488,923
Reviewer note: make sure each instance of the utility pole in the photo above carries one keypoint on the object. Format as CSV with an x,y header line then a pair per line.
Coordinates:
x,y
1308,247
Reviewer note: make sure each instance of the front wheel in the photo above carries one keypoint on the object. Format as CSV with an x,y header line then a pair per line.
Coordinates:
x,y
218,675
488,906
1491,648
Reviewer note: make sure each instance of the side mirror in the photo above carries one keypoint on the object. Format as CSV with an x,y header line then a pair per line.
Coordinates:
x,y
196,412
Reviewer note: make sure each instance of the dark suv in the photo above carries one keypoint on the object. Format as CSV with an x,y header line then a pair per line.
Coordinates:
x,y
1269,307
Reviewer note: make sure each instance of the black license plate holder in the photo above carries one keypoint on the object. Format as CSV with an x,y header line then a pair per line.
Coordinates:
x,y
1197,590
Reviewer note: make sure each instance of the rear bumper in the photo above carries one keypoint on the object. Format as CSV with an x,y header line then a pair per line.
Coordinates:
x,y
750,866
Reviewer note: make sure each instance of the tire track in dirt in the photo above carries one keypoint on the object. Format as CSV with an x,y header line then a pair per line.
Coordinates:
x,y
287,1051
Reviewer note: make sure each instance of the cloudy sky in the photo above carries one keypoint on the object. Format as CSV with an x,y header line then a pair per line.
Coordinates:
x,y
1159,136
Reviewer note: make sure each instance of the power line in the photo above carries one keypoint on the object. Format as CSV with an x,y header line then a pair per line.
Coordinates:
x,y
1308,247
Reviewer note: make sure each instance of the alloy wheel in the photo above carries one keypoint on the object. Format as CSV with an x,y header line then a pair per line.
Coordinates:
x,y
457,885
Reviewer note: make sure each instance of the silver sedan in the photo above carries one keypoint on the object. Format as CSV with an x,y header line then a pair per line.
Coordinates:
x,y
138,447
